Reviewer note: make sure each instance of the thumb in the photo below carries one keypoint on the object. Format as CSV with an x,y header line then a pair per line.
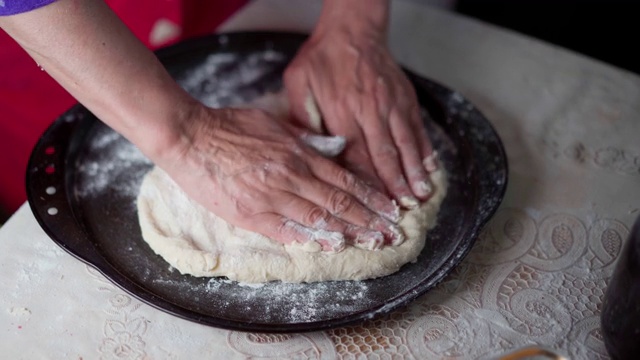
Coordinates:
x,y
302,103
327,146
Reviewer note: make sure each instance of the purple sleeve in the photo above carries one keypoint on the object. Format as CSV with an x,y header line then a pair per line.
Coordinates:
x,y
11,7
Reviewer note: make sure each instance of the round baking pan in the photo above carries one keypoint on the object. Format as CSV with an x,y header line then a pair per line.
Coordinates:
x,y
83,178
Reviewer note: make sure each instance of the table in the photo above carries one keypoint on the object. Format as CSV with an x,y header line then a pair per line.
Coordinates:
x,y
536,275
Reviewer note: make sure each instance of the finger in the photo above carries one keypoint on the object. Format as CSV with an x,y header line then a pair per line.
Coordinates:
x,y
429,156
330,173
430,162
327,146
319,222
407,144
287,231
355,155
385,156
346,197
346,207
301,100
357,161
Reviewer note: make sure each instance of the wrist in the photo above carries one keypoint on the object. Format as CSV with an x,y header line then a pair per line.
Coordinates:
x,y
168,134
360,18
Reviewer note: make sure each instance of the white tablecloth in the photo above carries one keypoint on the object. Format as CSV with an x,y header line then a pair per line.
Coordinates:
x,y
536,275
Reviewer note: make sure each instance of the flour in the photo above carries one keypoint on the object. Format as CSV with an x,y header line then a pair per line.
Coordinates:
x,y
278,301
19,311
120,175
196,242
303,303
114,165
334,240
329,146
222,79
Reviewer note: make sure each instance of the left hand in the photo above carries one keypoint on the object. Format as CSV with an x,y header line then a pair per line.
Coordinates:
x,y
364,96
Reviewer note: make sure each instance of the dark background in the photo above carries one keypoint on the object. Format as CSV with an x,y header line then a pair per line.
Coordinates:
x,y
608,30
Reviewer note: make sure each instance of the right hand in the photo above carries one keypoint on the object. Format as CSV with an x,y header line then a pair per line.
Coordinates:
x,y
251,170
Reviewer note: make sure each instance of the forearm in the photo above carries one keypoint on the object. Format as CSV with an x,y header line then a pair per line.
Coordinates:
x,y
365,17
85,47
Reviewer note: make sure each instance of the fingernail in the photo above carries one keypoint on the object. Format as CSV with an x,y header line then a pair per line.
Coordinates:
x,y
398,236
423,188
392,232
369,240
409,202
379,203
430,163
330,240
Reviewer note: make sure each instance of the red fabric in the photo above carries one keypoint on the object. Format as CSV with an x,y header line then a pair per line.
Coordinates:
x,y
30,100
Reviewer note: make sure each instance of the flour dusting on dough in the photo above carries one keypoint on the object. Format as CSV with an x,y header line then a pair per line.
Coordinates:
x,y
197,242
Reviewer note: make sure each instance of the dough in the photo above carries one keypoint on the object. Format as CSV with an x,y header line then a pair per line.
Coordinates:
x,y
199,243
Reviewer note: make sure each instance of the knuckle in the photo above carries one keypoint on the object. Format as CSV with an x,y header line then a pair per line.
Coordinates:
x,y
241,209
386,152
282,227
290,167
339,202
346,179
357,155
248,200
400,184
315,216
280,176
406,140
374,222
298,170
296,149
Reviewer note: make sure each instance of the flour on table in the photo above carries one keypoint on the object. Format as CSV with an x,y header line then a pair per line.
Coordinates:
x,y
197,242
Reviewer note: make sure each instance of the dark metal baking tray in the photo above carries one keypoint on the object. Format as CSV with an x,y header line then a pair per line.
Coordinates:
x,y
82,181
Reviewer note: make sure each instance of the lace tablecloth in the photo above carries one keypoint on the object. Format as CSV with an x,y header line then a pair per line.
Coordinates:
x,y
536,276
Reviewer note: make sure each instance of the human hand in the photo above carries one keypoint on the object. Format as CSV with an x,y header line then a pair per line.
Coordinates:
x,y
240,164
347,70
251,170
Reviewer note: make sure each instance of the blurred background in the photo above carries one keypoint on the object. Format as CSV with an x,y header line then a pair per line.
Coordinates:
x,y
606,30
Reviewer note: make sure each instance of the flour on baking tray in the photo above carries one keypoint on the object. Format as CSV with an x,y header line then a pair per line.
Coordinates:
x,y
113,164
